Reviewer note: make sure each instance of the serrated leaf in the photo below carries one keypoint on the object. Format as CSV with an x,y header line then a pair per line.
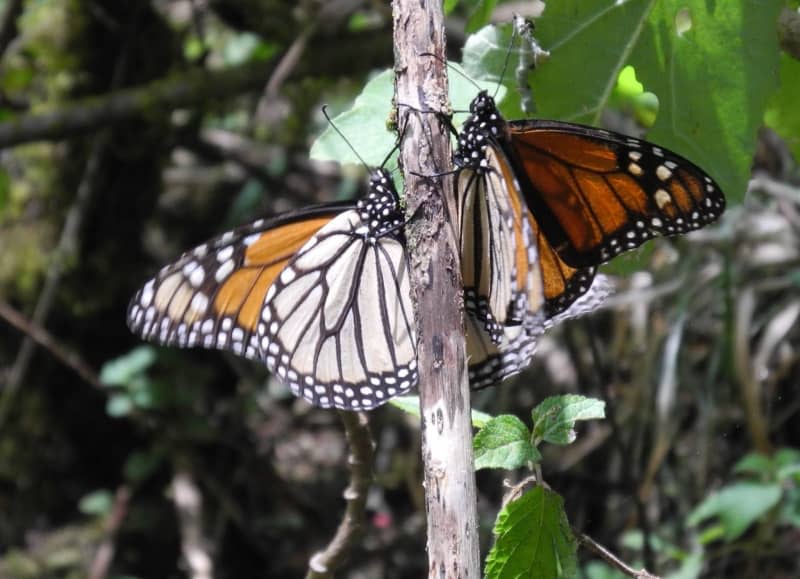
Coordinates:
x,y
533,539
710,103
737,507
504,442
410,405
122,370
555,417
365,123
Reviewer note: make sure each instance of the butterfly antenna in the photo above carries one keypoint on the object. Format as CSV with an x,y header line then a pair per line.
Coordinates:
x,y
506,61
341,134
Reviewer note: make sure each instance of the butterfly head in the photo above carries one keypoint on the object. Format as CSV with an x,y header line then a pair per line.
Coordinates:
x,y
380,210
484,125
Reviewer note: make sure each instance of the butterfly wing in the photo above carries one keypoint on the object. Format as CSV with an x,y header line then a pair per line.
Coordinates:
x,y
487,245
596,193
338,324
212,296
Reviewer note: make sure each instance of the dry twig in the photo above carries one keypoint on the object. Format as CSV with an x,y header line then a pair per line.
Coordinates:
x,y
323,564
450,495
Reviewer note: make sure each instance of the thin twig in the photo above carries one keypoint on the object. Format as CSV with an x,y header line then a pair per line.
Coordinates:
x,y
161,96
105,552
282,71
62,255
47,341
612,559
70,233
324,563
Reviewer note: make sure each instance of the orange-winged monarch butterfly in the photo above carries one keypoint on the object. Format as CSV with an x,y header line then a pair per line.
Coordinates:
x,y
590,194
322,297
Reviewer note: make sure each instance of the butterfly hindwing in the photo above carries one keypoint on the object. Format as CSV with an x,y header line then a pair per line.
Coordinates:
x,y
338,326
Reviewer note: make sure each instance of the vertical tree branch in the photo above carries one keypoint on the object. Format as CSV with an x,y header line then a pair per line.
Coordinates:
x,y
351,528
421,89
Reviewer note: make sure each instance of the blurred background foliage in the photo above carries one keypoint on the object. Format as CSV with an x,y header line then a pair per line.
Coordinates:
x,y
133,130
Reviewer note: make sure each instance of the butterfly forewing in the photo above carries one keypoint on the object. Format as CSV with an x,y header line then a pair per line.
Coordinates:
x,y
599,193
212,295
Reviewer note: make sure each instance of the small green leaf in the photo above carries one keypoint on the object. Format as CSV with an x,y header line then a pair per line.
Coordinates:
x,y
783,114
504,442
554,418
96,503
754,463
122,370
533,539
364,124
449,6
140,465
690,568
481,16
787,458
119,405
410,405
737,506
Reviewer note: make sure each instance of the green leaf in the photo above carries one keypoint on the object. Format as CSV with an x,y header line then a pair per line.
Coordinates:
x,y
754,463
533,539
410,405
790,511
712,66
691,567
714,81
449,6
783,114
96,503
481,15
119,405
122,370
737,507
554,418
141,464
365,123
504,442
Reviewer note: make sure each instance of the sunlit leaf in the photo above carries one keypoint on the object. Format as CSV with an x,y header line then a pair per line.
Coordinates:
x,y
533,534
555,417
96,503
737,507
122,370
504,442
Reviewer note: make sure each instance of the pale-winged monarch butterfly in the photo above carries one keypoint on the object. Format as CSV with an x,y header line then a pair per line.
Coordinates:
x,y
589,194
322,297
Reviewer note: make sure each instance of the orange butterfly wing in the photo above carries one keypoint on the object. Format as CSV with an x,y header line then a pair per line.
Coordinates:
x,y
596,193
212,296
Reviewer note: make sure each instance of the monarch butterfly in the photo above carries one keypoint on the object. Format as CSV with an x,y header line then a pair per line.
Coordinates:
x,y
589,194
321,296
